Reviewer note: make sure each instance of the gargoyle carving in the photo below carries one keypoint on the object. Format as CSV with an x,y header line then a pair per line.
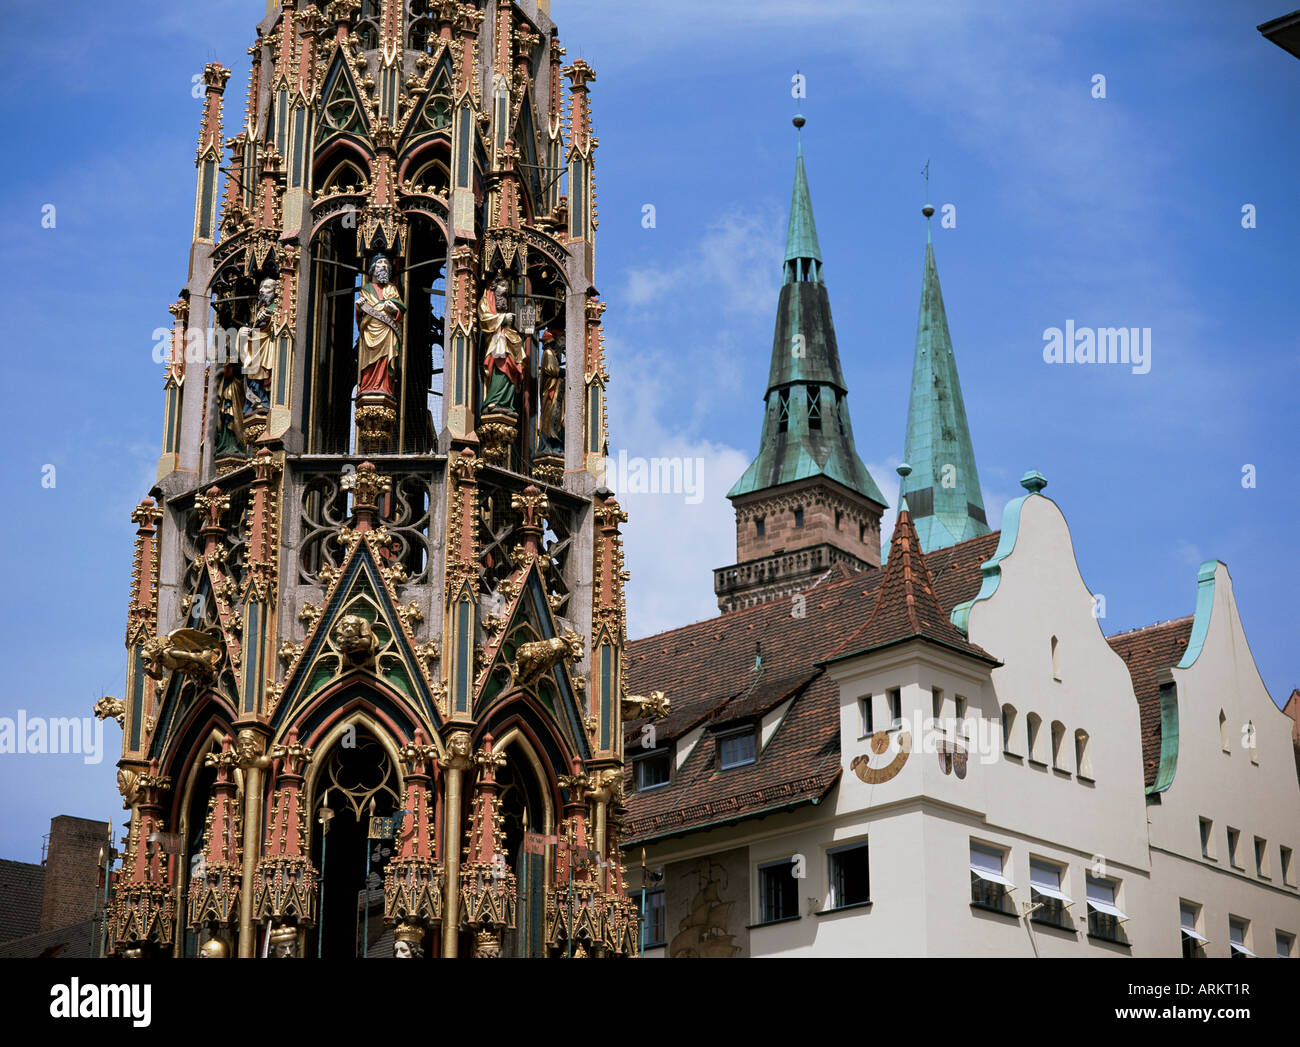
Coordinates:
x,y
185,651
111,707
653,707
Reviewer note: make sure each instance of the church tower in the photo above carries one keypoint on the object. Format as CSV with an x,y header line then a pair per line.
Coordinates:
x,y
807,502
943,489
376,616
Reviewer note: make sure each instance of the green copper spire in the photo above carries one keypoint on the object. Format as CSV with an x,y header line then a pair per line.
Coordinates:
x,y
806,428
943,489
803,254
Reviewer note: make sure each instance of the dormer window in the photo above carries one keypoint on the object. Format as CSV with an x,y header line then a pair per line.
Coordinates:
x,y
736,748
653,770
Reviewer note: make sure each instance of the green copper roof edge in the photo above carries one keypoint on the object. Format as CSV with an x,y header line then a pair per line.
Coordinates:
x,y
992,569
1204,608
1168,741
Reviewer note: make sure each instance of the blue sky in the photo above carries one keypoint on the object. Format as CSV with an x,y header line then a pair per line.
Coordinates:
x,y
1117,212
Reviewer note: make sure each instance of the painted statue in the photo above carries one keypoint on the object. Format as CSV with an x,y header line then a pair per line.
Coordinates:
x,y
550,431
379,317
230,413
257,348
503,366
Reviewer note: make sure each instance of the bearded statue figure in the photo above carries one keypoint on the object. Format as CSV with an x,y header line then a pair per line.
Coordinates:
x,y
257,348
379,318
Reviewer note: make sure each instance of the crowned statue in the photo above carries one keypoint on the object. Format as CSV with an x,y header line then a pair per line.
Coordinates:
x,y
379,318
503,365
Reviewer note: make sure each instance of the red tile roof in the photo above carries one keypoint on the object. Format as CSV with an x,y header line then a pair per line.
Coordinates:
x,y
740,666
1147,651
906,605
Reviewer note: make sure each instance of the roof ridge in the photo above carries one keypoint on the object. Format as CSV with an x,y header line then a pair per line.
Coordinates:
x,y
1153,625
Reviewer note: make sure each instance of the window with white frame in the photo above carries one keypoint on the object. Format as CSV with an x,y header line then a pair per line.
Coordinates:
x,y
736,748
1189,920
1046,893
936,705
1285,945
1234,838
1261,857
895,709
1284,855
961,717
989,887
778,891
1207,838
850,876
653,770
1105,919
864,713
1238,934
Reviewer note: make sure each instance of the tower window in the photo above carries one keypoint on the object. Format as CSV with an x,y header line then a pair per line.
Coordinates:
x,y
783,411
814,407
798,517
760,526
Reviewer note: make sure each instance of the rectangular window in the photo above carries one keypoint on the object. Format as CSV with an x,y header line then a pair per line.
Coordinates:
x,y
1207,838
1105,920
895,709
814,407
989,888
736,749
652,771
936,705
850,880
798,517
864,710
653,917
1045,892
783,411
1233,838
1193,941
1261,857
760,525
961,716
1285,945
778,891
1237,932
1284,853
